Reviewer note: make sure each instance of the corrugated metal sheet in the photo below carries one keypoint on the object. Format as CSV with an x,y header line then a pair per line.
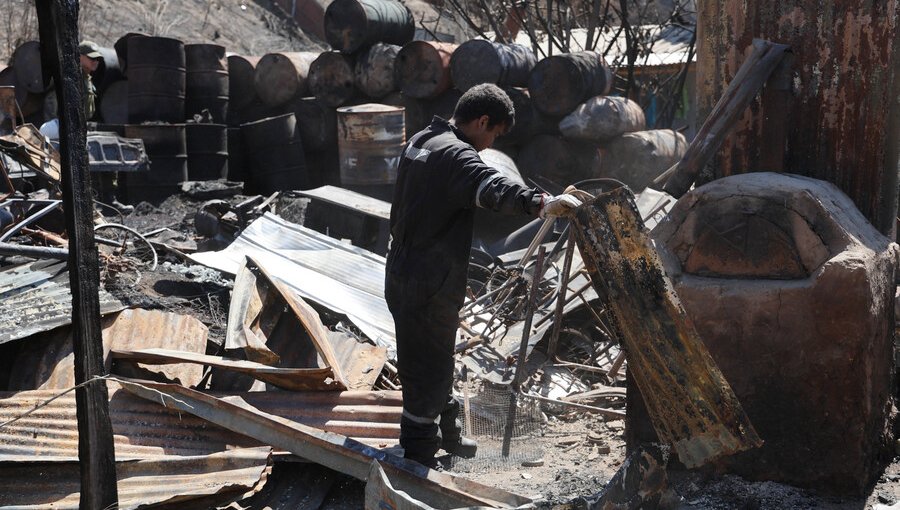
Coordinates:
x,y
341,277
35,297
47,361
272,325
664,46
144,429
145,482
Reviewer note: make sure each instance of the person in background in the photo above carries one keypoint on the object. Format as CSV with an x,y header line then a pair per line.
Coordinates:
x,y
441,180
90,58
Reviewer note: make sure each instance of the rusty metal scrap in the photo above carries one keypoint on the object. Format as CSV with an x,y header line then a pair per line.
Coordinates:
x,y
29,147
143,429
47,362
296,379
331,450
268,321
691,405
340,277
141,482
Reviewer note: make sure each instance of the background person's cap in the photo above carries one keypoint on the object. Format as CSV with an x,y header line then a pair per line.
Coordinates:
x,y
89,49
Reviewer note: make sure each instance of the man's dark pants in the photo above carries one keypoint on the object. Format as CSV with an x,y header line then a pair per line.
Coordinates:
x,y
425,320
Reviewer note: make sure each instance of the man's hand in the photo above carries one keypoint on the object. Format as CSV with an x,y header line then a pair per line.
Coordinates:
x,y
560,205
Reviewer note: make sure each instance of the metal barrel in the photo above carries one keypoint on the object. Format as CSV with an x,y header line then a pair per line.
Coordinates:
x,y
560,83
108,71
275,159
121,49
29,103
237,159
241,90
638,158
26,62
156,75
423,68
118,129
370,142
555,159
481,61
414,112
279,77
603,118
166,146
114,103
354,24
207,151
206,81
374,74
331,78
529,121
317,123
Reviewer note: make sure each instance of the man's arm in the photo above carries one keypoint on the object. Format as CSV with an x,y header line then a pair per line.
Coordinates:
x,y
475,184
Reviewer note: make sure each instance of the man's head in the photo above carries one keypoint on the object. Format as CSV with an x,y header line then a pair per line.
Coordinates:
x,y
483,113
90,55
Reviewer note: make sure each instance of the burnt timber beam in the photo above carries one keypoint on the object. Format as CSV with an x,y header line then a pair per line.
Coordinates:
x,y
58,27
690,403
746,84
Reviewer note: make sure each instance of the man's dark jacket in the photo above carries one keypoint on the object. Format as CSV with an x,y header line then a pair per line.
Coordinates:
x,y
441,180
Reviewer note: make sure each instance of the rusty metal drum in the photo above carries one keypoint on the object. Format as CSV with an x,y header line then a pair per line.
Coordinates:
x,y
423,68
370,141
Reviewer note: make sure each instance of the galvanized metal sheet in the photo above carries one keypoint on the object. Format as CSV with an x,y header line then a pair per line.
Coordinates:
x,y
361,362
48,362
143,429
339,276
144,482
351,200
35,297
667,45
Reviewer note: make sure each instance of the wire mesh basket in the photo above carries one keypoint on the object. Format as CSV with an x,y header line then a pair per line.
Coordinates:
x,y
485,413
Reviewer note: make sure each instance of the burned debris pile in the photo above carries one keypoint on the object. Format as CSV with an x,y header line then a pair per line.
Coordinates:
x,y
241,217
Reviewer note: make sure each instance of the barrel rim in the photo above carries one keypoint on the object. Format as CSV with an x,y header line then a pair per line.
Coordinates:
x,y
371,108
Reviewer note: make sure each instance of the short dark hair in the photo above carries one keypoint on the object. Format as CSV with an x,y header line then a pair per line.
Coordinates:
x,y
486,99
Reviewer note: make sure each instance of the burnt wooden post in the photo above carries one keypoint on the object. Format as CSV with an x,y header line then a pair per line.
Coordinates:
x,y
58,25
690,403
837,111
746,84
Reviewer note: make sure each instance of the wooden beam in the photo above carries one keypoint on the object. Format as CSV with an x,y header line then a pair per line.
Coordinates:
x,y
690,403
746,84
58,26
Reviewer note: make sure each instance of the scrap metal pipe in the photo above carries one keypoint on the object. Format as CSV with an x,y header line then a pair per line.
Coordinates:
x,y
36,252
690,403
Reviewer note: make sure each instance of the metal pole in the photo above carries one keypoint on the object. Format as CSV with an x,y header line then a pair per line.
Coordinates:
x,y
561,297
523,351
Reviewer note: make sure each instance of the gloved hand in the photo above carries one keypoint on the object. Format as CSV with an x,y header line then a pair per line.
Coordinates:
x,y
560,205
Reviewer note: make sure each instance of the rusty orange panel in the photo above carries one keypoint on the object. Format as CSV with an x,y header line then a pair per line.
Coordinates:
x,y
830,112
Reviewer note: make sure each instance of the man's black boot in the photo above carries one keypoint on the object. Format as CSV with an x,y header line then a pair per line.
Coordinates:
x,y
420,441
452,440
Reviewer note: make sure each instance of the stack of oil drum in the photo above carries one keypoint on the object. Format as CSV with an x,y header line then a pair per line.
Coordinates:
x,y
295,120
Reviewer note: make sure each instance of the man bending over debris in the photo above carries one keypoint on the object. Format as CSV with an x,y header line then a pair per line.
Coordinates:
x,y
441,180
